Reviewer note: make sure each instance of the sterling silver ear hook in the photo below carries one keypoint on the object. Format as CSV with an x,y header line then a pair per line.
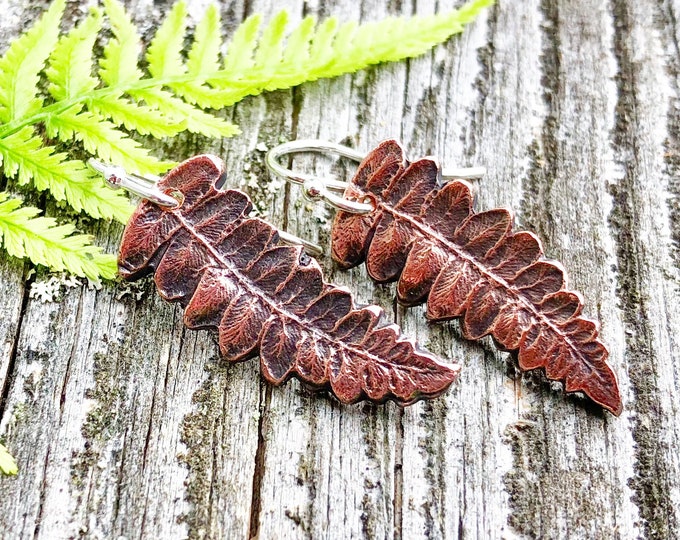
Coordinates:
x,y
146,187
329,190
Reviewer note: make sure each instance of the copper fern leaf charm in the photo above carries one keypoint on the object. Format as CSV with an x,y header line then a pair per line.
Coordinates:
x,y
229,273
470,265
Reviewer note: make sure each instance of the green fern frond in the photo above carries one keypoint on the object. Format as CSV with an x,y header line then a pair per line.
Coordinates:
x,y
44,242
71,61
134,116
268,53
8,465
204,55
22,62
22,154
330,49
195,119
240,52
321,48
297,47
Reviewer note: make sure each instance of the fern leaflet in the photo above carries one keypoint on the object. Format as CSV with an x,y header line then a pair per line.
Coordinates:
x,y
165,52
23,154
8,465
70,62
101,138
118,66
20,65
204,56
44,242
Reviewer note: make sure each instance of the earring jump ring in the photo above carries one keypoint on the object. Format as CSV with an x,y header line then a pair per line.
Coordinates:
x,y
315,187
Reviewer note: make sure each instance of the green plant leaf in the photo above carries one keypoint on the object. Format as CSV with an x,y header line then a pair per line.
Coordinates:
x,y
165,52
101,138
121,53
268,53
23,154
195,119
204,56
8,465
71,61
42,240
297,49
240,52
134,116
330,49
20,65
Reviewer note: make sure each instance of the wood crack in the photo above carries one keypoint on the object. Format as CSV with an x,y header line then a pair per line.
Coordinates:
x,y
42,496
526,505
11,365
259,470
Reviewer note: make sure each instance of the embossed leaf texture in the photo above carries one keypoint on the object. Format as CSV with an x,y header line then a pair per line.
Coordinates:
x,y
426,235
229,273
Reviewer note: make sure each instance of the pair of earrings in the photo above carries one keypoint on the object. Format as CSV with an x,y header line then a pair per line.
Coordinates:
x,y
264,295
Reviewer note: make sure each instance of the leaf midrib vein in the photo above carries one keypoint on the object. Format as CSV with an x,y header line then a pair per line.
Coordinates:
x,y
247,282
429,232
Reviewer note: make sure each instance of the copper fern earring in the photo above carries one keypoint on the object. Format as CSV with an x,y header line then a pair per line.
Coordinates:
x,y
408,225
233,273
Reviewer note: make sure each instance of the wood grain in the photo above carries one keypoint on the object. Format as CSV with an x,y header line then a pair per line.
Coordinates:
x,y
124,424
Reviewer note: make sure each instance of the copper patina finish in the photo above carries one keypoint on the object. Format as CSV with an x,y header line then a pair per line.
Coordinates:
x,y
230,274
426,235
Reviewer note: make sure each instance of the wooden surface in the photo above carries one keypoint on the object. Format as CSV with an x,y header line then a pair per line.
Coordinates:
x,y
126,425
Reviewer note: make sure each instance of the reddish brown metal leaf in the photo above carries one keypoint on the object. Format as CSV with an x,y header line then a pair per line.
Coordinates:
x,y
470,265
229,273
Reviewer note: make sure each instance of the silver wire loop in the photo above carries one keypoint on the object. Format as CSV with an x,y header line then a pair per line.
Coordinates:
x,y
317,188
309,145
116,177
146,187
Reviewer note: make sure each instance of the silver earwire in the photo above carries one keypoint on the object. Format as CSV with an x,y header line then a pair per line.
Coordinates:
x,y
309,145
116,177
317,188
146,187
463,173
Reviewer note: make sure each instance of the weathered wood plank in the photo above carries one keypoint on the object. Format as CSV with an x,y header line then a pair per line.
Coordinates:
x,y
648,274
567,202
127,425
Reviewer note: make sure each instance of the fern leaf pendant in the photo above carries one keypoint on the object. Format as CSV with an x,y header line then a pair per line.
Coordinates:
x,y
471,265
230,273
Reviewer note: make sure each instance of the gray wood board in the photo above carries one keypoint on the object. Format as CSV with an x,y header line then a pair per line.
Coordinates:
x,y
127,425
